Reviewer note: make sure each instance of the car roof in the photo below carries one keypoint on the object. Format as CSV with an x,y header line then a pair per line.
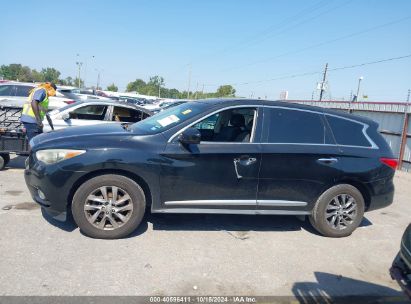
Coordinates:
x,y
110,103
32,84
280,103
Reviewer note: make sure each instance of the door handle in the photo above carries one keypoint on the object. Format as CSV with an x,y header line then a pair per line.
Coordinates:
x,y
236,161
243,161
330,160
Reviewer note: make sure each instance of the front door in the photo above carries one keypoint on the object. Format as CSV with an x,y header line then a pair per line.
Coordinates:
x,y
220,173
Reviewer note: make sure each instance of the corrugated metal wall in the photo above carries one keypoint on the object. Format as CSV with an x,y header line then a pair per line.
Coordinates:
x,y
389,116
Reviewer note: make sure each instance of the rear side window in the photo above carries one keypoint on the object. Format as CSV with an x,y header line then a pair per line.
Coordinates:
x,y
347,132
6,90
23,90
295,127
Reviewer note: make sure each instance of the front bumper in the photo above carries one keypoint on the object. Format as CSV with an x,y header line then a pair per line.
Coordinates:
x,y
400,272
54,182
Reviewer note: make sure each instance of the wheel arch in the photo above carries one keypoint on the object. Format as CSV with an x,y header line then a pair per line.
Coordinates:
x,y
365,192
136,178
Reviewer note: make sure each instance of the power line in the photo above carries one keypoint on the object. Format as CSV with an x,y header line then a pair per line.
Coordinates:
x,y
276,26
317,72
319,44
301,23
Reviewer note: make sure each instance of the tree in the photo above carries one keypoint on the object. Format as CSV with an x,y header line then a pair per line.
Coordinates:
x,y
156,81
76,84
112,87
50,74
225,91
16,71
135,86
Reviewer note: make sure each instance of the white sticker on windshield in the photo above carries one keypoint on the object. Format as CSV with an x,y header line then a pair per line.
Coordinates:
x,y
168,120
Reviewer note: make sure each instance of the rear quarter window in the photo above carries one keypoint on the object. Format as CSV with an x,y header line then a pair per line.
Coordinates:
x,y
347,132
295,127
6,90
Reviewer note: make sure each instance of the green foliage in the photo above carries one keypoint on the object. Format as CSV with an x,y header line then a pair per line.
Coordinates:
x,y
225,91
136,85
76,83
153,87
49,74
16,71
112,87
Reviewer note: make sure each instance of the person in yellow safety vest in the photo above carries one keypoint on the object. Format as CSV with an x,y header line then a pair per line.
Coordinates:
x,y
36,107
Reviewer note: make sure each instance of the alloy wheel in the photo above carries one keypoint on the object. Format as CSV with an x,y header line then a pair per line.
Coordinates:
x,y
108,207
341,211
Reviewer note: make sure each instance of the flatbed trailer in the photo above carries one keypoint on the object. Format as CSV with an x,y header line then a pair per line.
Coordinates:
x,y
12,134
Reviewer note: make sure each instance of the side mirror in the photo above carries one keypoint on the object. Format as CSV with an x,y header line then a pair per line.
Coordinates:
x,y
190,136
65,116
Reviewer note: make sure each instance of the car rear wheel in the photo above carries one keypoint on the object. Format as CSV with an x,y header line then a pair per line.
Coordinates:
x,y
4,160
108,206
338,211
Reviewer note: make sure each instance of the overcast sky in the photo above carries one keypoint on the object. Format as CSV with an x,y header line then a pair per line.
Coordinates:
x,y
260,46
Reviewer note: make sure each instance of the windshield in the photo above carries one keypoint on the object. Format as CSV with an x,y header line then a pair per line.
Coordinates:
x,y
170,117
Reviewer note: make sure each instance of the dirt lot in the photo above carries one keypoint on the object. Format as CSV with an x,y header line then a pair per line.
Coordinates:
x,y
195,254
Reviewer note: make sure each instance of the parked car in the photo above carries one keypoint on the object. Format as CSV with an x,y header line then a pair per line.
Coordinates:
x,y
77,94
94,112
215,156
401,267
169,104
15,94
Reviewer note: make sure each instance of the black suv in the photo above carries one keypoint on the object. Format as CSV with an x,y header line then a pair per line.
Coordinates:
x,y
215,156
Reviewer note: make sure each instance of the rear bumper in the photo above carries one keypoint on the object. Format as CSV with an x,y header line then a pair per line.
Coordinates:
x,y
402,274
381,193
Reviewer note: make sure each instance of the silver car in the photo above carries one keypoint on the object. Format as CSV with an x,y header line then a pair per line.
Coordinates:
x,y
13,93
94,112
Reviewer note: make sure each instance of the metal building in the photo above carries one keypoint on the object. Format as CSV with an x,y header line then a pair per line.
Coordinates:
x,y
394,121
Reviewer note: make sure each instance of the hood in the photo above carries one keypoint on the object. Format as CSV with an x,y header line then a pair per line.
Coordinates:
x,y
73,133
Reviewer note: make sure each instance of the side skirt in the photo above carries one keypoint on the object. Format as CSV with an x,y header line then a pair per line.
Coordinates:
x,y
230,211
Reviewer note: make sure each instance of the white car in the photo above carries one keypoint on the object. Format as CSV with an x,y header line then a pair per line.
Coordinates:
x,y
94,112
13,93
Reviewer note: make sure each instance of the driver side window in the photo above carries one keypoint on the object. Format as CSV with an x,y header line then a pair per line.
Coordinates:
x,y
232,125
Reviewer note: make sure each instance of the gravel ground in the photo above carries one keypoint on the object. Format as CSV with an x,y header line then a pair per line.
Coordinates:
x,y
195,254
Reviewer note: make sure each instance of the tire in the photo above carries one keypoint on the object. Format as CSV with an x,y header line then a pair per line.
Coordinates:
x,y
4,160
330,202
89,199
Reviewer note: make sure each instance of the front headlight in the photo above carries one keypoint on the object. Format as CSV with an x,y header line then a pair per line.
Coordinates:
x,y
53,156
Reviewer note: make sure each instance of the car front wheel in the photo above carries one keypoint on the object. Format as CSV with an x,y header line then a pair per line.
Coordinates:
x,y
108,206
338,211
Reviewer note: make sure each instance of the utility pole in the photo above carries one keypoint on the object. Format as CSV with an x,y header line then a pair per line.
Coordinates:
x,y
202,92
79,64
196,91
323,82
404,131
357,99
189,81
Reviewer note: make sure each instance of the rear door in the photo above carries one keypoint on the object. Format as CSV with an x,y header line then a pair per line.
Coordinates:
x,y
299,160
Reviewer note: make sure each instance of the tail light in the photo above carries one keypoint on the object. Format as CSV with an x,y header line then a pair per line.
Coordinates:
x,y
69,101
390,162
